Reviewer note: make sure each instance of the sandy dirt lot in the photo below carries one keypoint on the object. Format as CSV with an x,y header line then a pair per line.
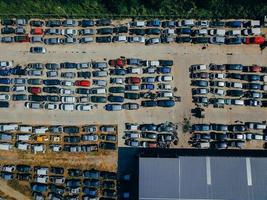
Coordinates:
x,y
183,56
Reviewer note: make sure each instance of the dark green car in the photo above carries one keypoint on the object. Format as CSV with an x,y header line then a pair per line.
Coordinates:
x,y
98,99
116,90
131,95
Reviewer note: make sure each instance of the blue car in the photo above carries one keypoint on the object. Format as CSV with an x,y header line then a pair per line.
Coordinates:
x,y
149,103
234,40
73,183
4,72
148,79
165,103
38,187
92,192
234,24
148,127
164,70
113,98
184,30
201,127
91,182
118,71
51,82
147,86
5,81
113,107
7,176
92,174
87,23
154,23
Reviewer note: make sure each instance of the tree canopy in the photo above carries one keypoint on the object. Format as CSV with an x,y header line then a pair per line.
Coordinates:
x,y
176,8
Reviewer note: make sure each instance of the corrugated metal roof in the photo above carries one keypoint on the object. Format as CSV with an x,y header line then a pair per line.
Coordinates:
x,y
186,177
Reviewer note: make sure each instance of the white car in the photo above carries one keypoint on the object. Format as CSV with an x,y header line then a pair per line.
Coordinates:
x,y
217,91
118,80
217,76
51,106
200,67
19,89
217,32
84,107
67,83
136,39
67,106
120,38
66,91
4,97
41,179
69,31
137,24
68,99
5,64
154,63
33,105
134,70
164,86
164,78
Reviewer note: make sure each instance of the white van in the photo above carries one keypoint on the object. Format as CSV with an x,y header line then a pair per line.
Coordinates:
x,y
22,146
237,102
68,99
152,63
19,88
40,130
203,145
8,127
5,146
67,106
23,137
25,129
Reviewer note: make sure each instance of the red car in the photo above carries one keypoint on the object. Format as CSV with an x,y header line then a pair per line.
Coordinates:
x,y
255,40
37,31
83,83
134,80
255,68
34,90
120,62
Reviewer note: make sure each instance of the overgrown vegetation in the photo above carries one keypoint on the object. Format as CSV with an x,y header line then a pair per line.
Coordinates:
x,y
24,189
124,8
186,125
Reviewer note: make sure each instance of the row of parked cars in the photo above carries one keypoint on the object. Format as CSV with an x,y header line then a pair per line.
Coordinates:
x,y
37,139
134,23
63,183
166,30
131,87
222,136
242,85
150,135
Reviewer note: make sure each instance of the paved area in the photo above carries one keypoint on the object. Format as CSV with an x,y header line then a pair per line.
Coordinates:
x,y
183,56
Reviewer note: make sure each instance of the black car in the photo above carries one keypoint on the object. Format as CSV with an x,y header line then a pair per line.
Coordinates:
x,y
35,81
51,82
4,88
153,31
72,139
38,98
131,95
51,90
103,22
87,23
105,31
4,104
19,97
57,170
82,91
235,93
137,31
53,23
103,39
234,76
107,146
7,22
75,172
36,23
165,62
149,103
24,177
108,175
52,66
52,98
98,99
84,74
120,29
68,65
183,39
116,89
7,30
71,129
200,40
23,168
